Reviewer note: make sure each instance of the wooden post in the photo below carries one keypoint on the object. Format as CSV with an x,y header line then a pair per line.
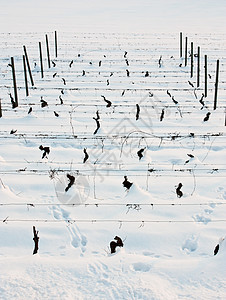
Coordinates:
x,y
36,240
14,83
186,51
206,76
28,66
47,48
181,44
25,76
192,59
0,108
55,43
198,68
216,85
41,63
224,117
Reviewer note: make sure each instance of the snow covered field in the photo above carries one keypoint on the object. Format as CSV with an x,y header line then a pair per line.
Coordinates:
x,y
136,86
140,16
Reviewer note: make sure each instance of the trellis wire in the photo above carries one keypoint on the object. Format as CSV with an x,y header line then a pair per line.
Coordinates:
x,y
105,221
112,204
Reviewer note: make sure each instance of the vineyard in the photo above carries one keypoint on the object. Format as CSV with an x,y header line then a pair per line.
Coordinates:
x,y
105,135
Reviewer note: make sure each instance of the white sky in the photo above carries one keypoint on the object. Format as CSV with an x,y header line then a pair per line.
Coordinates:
x,y
113,16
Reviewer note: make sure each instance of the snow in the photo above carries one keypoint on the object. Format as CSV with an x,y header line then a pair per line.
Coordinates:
x,y
169,241
143,16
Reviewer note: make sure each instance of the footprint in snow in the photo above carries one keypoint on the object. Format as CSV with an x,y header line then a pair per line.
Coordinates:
x,y
74,242
56,213
201,219
84,240
105,282
98,269
208,211
220,189
190,245
141,267
77,239
147,253
92,269
105,267
65,214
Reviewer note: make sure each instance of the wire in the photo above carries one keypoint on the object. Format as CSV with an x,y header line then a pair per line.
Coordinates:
x,y
212,170
116,175
129,173
132,205
108,163
108,89
70,221
134,134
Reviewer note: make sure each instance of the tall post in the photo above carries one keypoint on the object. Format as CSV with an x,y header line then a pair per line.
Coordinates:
x,y
181,45
198,68
216,85
28,66
47,48
186,51
14,82
0,108
41,62
224,117
192,59
206,76
56,44
25,76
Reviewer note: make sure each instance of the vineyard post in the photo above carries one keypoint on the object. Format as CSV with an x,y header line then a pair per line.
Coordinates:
x,y
47,48
0,108
41,63
198,68
216,85
36,240
224,117
56,44
28,66
25,76
186,51
14,82
192,63
206,76
180,44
